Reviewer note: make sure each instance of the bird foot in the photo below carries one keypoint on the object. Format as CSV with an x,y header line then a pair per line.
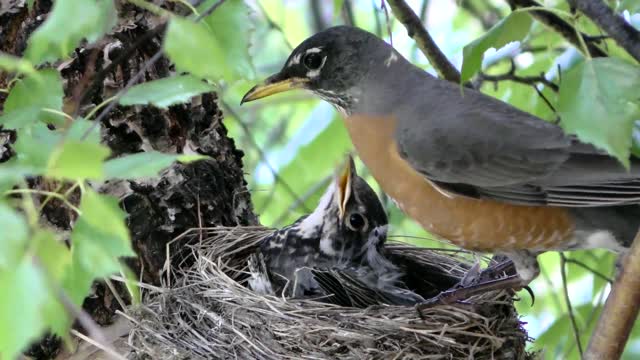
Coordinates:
x,y
459,294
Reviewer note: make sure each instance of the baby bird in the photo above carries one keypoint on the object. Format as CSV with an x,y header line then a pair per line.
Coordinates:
x,y
334,253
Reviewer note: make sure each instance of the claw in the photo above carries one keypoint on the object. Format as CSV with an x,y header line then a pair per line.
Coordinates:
x,y
533,297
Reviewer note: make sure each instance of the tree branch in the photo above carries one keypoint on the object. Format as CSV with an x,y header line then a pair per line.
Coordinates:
x,y
526,80
556,23
416,31
621,31
620,311
572,317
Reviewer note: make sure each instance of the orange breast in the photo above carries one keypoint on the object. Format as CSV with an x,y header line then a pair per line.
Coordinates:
x,y
478,225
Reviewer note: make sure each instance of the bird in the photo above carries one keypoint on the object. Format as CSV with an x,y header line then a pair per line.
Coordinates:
x,y
335,252
471,169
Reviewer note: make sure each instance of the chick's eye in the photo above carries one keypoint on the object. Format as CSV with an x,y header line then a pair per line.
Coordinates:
x,y
312,61
357,221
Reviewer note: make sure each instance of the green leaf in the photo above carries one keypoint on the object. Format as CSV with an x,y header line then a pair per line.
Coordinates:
x,y
52,252
78,160
143,164
22,300
11,174
99,238
192,48
14,64
512,28
599,102
34,146
216,48
102,214
13,237
37,144
230,25
69,22
166,92
28,98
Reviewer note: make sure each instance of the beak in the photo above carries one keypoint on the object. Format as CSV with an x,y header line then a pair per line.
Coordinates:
x,y
274,84
345,184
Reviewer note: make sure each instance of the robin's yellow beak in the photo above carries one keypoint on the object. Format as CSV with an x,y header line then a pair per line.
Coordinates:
x,y
345,183
274,84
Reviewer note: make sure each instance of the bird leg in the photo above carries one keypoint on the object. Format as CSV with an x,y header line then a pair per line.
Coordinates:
x,y
486,281
457,295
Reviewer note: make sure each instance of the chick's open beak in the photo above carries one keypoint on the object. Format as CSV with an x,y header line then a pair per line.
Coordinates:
x,y
274,84
345,184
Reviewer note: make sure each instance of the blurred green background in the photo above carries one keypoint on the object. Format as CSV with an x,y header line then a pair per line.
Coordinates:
x,y
293,143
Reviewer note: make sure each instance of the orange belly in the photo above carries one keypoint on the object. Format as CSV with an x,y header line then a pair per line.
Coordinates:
x,y
478,225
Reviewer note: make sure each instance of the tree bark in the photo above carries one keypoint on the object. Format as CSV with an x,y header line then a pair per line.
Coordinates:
x,y
206,193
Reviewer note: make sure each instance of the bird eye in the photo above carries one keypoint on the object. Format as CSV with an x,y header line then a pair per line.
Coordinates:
x,y
312,61
357,222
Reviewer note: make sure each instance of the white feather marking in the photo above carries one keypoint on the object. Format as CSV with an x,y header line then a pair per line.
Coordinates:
x,y
295,60
602,239
391,59
326,246
440,190
313,50
312,223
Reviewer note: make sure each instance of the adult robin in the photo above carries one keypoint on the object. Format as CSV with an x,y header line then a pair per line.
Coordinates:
x,y
469,168
336,251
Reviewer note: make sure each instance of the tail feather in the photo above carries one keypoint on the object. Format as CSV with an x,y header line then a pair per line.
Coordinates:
x,y
612,227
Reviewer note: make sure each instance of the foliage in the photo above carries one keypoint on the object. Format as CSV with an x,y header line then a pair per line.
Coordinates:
x,y
41,277
541,50
597,101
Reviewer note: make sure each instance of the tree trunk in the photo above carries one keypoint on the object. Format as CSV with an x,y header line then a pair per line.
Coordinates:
x,y
206,193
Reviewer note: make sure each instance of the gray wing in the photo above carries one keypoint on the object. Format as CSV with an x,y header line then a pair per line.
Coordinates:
x,y
504,154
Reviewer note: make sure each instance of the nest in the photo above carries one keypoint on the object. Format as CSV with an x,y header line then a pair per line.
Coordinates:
x,y
206,311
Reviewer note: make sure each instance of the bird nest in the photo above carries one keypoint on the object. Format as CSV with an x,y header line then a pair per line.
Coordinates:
x,y
207,311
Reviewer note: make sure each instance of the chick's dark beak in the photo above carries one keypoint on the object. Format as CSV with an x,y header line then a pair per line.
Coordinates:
x,y
274,84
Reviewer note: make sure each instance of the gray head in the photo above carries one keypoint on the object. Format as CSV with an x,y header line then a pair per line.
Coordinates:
x,y
330,63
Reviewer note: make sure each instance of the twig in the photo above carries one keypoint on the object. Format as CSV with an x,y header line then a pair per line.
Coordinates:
x,y
273,25
416,31
100,346
319,23
383,7
347,13
620,311
590,269
114,291
139,75
486,18
124,55
621,31
527,80
302,199
423,19
210,10
574,325
376,18
559,25
261,153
